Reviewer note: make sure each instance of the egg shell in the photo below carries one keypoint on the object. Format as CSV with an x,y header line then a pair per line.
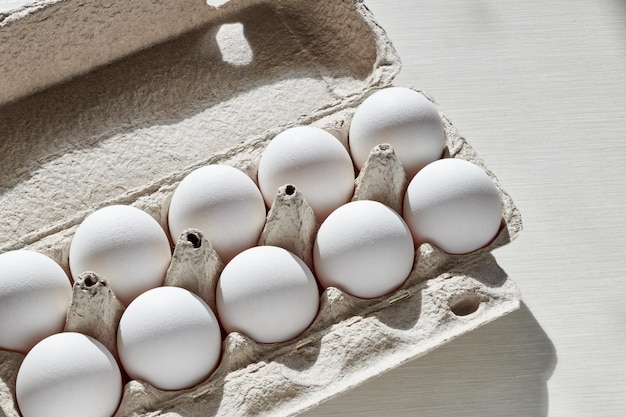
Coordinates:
x,y
68,375
170,338
363,248
268,294
126,246
453,204
222,202
35,293
314,161
403,118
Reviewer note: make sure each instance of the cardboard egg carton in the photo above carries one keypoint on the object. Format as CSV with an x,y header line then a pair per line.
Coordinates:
x,y
216,89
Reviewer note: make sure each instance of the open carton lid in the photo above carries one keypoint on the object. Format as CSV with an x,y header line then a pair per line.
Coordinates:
x,y
146,121
144,103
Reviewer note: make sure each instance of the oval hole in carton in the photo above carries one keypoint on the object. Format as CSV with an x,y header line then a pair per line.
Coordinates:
x,y
194,239
216,3
90,280
465,305
233,45
290,189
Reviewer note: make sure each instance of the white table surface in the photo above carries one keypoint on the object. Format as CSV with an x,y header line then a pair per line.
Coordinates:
x,y
539,89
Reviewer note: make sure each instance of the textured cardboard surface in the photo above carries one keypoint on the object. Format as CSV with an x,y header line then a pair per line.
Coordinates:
x,y
46,42
147,121
127,133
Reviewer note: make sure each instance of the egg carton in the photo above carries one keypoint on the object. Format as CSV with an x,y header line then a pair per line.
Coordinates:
x,y
219,93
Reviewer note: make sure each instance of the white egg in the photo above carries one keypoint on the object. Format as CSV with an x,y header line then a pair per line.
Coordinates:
x,y
69,375
363,248
314,161
126,246
35,293
224,203
453,204
403,118
170,338
268,294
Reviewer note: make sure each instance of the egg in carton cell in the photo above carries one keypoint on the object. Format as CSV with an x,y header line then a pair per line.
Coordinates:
x,y
351,339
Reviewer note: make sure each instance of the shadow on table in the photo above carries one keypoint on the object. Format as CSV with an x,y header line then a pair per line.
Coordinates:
x,y
499,370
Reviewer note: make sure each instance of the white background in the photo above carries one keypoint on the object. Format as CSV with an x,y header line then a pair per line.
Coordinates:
x,y
539,90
